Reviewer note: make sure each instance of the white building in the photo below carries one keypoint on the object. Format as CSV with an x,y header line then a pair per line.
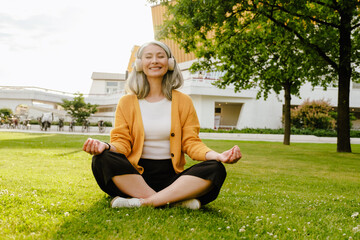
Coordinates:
x,y
216,108
226,109
107,83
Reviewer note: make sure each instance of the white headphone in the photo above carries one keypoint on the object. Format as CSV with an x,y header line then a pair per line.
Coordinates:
x,y
171,60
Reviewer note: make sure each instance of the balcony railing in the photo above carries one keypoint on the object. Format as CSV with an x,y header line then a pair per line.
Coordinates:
x,y
200,80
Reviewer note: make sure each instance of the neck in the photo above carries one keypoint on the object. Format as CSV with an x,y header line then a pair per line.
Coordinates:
x,y
155,93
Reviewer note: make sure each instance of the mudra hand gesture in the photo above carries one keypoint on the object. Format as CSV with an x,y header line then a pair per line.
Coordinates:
x,y
230,156
94,146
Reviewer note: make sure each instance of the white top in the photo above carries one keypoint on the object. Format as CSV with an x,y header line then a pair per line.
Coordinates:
x,y
156,118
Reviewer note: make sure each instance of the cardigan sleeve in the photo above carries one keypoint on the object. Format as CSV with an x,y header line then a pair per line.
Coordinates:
x,y
191,142
120,136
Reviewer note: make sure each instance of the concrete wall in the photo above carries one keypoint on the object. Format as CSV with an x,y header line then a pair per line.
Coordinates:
x,y
97,87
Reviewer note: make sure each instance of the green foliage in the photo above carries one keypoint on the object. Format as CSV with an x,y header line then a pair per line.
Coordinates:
x,y
302,191
351,117
313,115
34,122
5,112
78,109
294,131
255,45
273,45
107,124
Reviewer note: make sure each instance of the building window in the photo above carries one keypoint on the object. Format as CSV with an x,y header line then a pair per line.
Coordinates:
x,y
112,87
111,84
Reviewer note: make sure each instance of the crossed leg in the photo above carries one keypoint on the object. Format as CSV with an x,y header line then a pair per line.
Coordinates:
x,y
185,187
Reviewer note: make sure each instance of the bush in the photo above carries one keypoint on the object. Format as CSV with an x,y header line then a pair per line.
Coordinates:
x,y
294,131
34,122
5,112
313,115
107,124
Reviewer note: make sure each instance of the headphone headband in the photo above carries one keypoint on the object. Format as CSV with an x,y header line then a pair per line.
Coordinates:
x,y
171,60
160,44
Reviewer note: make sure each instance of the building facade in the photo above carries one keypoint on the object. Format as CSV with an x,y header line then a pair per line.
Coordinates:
x,y
223,108
216,108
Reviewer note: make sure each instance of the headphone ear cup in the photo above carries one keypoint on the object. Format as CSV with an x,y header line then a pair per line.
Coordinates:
x,y
171,64
138,65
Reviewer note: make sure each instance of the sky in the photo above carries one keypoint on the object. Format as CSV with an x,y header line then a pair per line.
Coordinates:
x,y
58,44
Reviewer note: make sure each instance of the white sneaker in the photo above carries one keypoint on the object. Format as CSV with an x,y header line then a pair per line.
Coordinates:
x,y
193,204
119,202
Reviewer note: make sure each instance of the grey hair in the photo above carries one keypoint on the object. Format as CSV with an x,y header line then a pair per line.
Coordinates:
x,y
138,84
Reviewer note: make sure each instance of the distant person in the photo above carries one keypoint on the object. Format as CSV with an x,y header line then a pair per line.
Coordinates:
x,y
155,126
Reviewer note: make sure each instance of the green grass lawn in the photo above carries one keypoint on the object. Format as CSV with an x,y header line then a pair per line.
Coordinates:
x,y
301,191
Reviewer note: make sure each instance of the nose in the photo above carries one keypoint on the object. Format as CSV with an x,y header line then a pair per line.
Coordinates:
x,y
154,59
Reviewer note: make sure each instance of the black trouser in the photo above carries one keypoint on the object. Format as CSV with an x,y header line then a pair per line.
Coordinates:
x,y
158,174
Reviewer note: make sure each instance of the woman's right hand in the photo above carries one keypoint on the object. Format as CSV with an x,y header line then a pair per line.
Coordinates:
x,y
94,146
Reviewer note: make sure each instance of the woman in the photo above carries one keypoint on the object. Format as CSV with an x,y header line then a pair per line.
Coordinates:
x,y
155,125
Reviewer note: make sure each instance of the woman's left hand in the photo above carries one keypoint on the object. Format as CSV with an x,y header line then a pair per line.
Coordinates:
x,y
94,146
230,156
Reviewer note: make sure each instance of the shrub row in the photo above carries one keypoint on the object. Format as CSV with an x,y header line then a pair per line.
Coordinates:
x,y
294,131
94,124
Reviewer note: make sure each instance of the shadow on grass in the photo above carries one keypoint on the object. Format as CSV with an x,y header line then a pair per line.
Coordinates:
x,y
68,153
102,222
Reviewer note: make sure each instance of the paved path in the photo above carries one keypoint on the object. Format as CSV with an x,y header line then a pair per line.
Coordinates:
x,y
53,129
273,138
220,136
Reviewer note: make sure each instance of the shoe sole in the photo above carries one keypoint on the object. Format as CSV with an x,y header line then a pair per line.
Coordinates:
x,y
192,206
112,201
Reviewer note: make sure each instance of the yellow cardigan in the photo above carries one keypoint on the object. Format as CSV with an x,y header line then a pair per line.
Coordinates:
x,y
128,134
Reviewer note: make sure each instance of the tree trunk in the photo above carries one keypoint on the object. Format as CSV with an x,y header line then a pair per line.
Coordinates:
x,y
343,118
287,116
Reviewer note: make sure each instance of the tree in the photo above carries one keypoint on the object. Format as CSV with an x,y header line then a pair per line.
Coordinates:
x,y
272,63
78,109
268,62
325,31
5,112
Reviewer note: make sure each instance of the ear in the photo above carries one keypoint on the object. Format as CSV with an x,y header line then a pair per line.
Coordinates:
x,y
138,65
171,64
